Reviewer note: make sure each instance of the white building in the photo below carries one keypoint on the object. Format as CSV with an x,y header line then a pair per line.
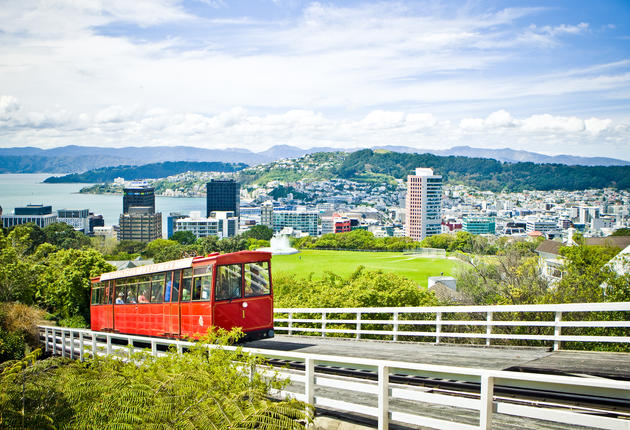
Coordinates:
x,y
221,224
75,218
423,204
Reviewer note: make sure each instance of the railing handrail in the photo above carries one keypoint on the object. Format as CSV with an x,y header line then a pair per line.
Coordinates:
x,y
564,307
367,362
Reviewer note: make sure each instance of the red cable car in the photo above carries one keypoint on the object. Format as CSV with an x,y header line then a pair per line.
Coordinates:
x,y
183,298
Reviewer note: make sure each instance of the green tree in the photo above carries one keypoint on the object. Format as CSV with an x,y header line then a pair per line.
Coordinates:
x,y
184,237
158,245
64,284
622,232
260,232
130,246
584,274
64,236
25,238
363,288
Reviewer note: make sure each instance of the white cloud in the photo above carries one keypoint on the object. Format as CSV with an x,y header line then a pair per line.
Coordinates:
x,y
239,128
548,122
8,105
596,125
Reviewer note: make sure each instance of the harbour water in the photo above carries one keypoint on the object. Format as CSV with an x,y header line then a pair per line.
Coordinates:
x,y
22,189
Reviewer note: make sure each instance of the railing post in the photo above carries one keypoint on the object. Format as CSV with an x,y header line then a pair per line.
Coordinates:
x,y
71,336
290,323
557,331
63,343
180,349
488,327
46,338
153,348
93,345
358,326
395,327
309,381
109,344
81,346
383,397
486,405
323,324
130,346
54,342
438,326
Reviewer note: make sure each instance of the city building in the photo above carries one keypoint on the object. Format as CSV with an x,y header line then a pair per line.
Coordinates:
x,y
138,194
79,219
39,215
141,223
303,220
479,225
221,224
423,204
95,221
223,195
543,226
266,214
170,222
105,232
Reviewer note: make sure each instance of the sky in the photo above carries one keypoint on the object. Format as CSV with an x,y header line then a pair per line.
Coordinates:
x,y
544,76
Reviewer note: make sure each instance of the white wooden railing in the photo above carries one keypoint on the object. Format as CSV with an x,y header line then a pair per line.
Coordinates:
x,y
390,402
394,323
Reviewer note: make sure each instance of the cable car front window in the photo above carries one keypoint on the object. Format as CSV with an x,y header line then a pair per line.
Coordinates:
x,y
257,279
229,282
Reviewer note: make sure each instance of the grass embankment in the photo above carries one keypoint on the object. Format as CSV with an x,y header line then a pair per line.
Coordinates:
x,y
343,263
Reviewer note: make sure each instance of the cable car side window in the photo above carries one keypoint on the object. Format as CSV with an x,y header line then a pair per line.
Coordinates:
x,y
175,289
229,282
202,283
132,290
257,279
157,288
95,293
186,285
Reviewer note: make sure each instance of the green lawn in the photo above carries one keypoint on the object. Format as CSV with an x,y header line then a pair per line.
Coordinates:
x,y
345,262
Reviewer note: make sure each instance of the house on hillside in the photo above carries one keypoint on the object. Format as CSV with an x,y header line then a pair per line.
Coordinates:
x,y
551,261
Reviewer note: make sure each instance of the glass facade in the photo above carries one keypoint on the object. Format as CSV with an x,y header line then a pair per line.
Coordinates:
x,y
138,196
223,195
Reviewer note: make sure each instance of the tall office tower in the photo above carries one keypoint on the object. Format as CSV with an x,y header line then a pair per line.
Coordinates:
x,y
423,204
138,194
141,224
266,214
223,196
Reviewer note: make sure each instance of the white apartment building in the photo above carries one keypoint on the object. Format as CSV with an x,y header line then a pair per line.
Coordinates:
x,y
423,204
221,224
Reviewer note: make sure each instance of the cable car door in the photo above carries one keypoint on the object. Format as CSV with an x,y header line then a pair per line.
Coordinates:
x,y
171,304
228,297
109,305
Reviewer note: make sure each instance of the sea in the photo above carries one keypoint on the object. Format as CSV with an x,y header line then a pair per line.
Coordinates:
x,y
28,188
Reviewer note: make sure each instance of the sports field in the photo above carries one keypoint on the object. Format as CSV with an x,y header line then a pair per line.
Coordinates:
x,y
344,263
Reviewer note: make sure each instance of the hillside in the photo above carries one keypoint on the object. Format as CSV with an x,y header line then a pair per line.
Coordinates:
x,y
147,171
75,158
484,173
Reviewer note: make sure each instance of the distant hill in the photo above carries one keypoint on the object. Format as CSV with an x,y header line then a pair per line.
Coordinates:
x,y
75,158
513,156
147,171
484,173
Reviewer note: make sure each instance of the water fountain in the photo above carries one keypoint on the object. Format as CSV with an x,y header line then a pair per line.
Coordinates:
x,y
279,246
